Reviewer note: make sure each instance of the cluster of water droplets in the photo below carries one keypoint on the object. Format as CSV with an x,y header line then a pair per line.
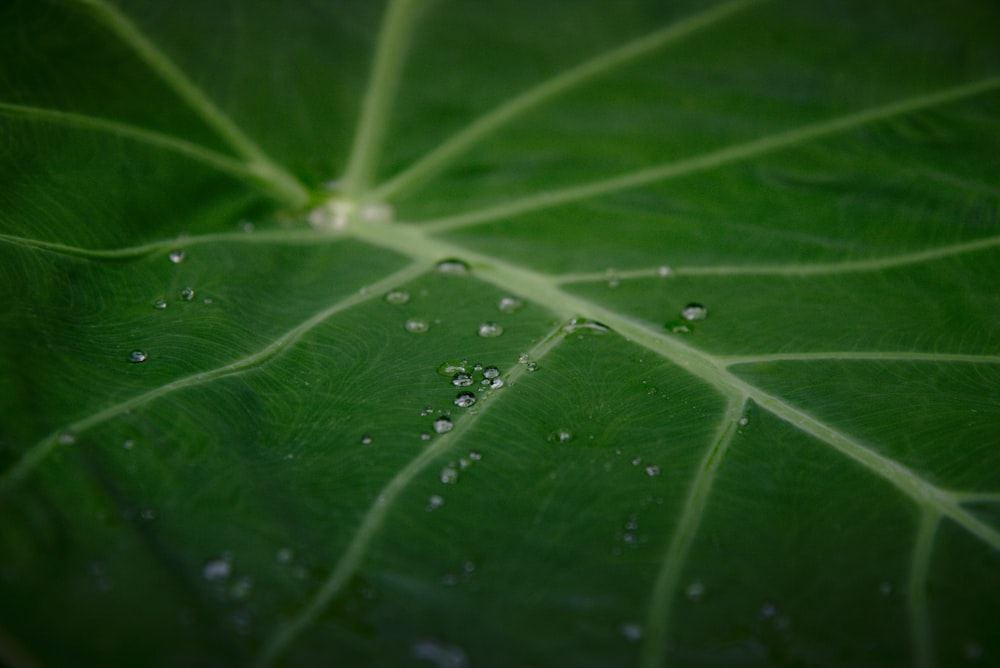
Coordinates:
x,y
691,313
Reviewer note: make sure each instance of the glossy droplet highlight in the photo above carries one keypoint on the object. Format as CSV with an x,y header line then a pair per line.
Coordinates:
x,y
366,440
434,503
465,399
452,266
632,632
491,372
397,296
216,570
187,294
449,475
176,256
560,435
509,304
489,330
585,325
461,380
652,471
416,326
695,591
443,425
694,311
160,304
137,357
664,271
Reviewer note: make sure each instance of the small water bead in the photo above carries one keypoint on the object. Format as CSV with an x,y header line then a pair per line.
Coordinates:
x,y
636,461
443,425
366,440
461,380
416,326
187,294
652,471
216,570
397,296
612,277
176,256
377,212
695,591
452,266
449,475
442,656
434,503
160,304
509,304
694,311
128,444
885,588
768,610
489,330
246,226
148,514
491,372
137,357
425,436
66,438
664,271
632,632
465,399
744,421
285,556
585,325
560,435
451,368
475,455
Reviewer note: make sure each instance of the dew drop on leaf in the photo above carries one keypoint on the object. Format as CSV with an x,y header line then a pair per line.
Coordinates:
x,y
632,632
885,588
216,570
285,556
461,380
449,475
366,440
465,399
491,372
137,357
416,326
176,256
509,304
452,266
66,438
160,304
585,325
664,271
475,455
187,294
434,503
652,470
695,591
397,296
694,311
443,425
560,435
489,330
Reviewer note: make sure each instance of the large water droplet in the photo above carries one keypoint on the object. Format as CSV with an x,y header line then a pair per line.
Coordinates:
x,y
416,326
176,256
585,325
443,425
216,570
465,399
509,304
137,357
694,311
397,296
490,330
491,372
461,380
452,266
66,438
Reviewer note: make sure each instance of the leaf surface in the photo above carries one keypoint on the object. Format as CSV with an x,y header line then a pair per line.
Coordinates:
x,y
437,333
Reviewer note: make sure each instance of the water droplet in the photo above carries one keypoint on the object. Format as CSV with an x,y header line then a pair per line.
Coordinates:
x,y
332,215
417,326
468,566
560,435
636,461
465,399
206,300
216,570
585,325
66,438
285,556
425,436
452,266
768,610
397,296
694,311
612,277
434,503
652,470
366,440
377,212
632,632
449,475
443,425
137,357
128,444
677,327
695,591
664,271
246,226
160,304
489,330
148,514
509,304
187,294
176,256
442,656
744,421
451,368
885,588
475,455
461,380
491,372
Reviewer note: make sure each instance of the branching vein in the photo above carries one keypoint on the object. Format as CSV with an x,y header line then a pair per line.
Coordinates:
x,y
921,640
444,155
372,521
37,453
712,160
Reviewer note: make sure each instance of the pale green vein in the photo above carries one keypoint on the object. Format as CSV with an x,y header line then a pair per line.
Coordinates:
x,y
711,160
303,237
794,269
978,497
444,155
37,453
390,55
921,640
201,154
665,586
373,519
878,356
280,180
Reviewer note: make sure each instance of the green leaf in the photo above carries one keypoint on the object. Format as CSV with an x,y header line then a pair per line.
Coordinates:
x,y
735,265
